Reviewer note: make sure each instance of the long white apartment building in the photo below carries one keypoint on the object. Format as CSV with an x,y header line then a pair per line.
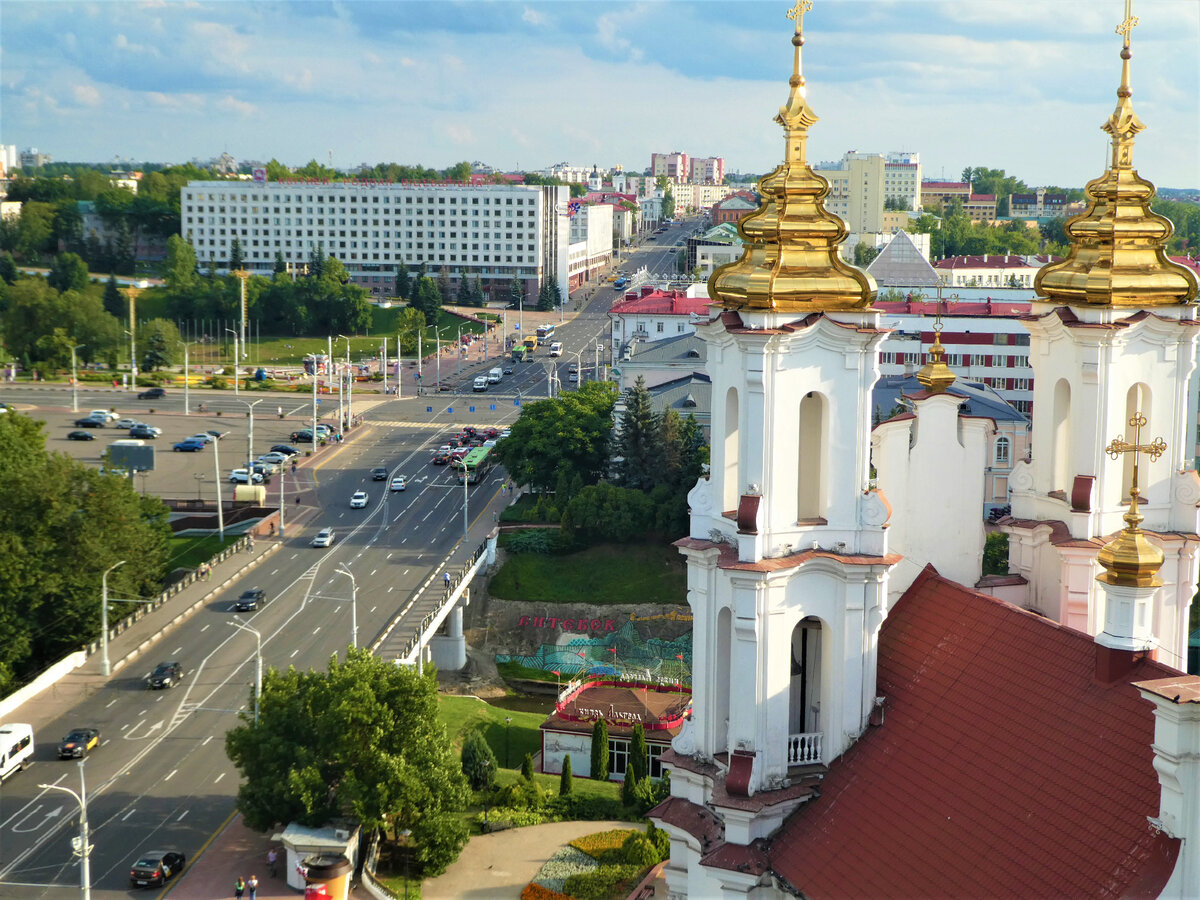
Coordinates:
x,y
493,231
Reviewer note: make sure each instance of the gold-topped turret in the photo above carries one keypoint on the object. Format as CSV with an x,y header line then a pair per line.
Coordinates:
x,y
1130,559
791,263
935,376
1118,256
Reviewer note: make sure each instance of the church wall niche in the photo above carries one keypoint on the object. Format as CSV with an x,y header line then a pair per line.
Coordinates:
x,y
730,451
812,458
721,680
1060,445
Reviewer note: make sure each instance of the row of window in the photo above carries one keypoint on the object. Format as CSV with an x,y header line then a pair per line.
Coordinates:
x,y
408,199
957,360
618,757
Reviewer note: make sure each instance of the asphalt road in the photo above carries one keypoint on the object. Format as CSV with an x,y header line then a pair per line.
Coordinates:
x,y
160,778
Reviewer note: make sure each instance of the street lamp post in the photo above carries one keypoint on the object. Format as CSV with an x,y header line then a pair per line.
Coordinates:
x,y
75,379
353,605
507,724
258,664
345,423
105,665
250,433
235,361
187,381
85,873
217,477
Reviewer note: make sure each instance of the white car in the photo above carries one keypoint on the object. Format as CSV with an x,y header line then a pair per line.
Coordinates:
x,y
359,500
203,437
399,484
245,476
324,538
106,414
125,423
274,457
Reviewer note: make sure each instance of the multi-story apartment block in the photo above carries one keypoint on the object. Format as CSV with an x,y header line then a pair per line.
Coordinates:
x,y
591,242
707,170
902,179
981,207
856,191
8,158
935,193
1038,205
491,231
31,159
676,166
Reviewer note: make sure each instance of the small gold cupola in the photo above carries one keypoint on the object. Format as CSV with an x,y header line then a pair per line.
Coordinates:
x,y
1130,559
935,376
1118,256
791,262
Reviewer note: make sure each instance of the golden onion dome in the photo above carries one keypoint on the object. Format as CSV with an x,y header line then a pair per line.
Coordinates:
x,y
791,263
1118,246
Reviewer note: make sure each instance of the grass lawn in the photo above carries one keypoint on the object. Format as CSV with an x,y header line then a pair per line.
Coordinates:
x,y
608,573
580,787
188,551
461,714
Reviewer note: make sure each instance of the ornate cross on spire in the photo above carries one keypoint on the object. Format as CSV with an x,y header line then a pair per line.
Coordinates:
x,y
796,14
1130,22
1154,450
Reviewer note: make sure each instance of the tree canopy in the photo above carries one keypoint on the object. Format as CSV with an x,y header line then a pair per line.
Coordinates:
x,y
361,740
62,524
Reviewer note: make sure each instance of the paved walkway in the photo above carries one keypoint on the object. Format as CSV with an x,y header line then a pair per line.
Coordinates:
x,y
497,866
234,851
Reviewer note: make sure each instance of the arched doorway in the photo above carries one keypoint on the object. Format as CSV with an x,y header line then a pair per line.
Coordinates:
x,y
804,700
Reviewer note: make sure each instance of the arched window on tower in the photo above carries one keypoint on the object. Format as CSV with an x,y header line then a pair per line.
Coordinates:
x,y
1060,445
812,460
730,487
722,664
1003,452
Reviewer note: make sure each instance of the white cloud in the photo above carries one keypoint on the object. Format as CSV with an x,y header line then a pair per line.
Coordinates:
x,y
86,95
239,107
532,16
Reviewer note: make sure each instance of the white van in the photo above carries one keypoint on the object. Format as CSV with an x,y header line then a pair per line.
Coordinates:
x,y
556,348
495,375
128,442
16,748
480,383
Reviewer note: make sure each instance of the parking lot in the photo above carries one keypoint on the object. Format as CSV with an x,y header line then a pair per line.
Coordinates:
x,y
177,474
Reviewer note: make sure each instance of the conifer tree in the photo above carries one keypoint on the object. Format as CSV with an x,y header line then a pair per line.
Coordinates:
x,y
639,755
639,444
403,283
600,750
527,767
564,780
629,788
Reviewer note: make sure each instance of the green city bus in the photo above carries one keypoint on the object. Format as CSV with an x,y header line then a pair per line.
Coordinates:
x,y
476,465
518,353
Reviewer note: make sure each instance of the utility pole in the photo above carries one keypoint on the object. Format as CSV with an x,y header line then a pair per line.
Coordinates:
x,y
133,292
186,380
385,365
105,665
258,664
85,872
217,475
250,433
75,379
316,369
235,361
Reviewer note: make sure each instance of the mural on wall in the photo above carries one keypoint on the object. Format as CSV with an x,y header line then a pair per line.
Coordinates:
x,y
655,647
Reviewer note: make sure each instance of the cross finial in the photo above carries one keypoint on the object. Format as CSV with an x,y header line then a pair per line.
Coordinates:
x,y
796,13
1128,24
1154,450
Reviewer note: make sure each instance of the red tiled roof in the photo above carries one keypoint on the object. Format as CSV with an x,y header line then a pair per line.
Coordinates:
x,y
1002,769
992,308
992,261
944,186
663,303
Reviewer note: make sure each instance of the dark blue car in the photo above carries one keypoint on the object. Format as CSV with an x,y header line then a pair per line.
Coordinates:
x,y
188,446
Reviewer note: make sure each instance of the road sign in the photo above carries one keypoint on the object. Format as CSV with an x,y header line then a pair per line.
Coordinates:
x,y
450,409
492,407
470,409
429,409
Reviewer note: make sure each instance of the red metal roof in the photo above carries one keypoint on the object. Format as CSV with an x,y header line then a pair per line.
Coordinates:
x,y
992,261
944,186
663,303
1002,769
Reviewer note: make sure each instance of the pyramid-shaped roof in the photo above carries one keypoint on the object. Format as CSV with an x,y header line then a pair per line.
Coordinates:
x,y
902,264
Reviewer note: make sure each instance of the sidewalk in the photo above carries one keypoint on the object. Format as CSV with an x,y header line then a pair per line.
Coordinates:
x,y
235,850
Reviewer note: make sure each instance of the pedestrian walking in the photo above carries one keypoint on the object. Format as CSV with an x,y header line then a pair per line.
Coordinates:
x,y
446,578
239,888
272,863
253,885
293,468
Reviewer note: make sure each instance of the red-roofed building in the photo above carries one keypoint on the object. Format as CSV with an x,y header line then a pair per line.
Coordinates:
x,y
734,207
991,270
650,314
980,207
936,193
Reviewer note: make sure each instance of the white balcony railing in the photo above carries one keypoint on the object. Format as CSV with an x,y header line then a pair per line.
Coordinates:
x,y
804,749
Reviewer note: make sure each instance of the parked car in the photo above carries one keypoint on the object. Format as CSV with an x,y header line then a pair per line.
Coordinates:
x,y
106,414
274,457
165,675
358,500
379,473
188,446
285,449
80,436
125,423
152,394
324,538
399,484
305,436
217,435
244,476
324,430
154,867
89,422
144,431
250,600
202,437
264,467
79,743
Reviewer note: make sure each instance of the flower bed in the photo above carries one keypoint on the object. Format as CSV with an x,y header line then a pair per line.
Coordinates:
x,y
595,845
534,891
562,865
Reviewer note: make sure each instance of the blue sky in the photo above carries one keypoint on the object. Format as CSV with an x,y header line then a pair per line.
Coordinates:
x,y
1021,85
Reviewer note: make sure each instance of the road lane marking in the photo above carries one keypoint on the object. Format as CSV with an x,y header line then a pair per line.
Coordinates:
x,y
128,814
315,630
205,628
392,588
204,743
294,652
168,778
373,571
110,702
406,571
276,572
219,777
176,651
181,815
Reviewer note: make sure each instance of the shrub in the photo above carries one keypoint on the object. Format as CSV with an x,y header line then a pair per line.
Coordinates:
x,y
521,795
478,762
629,788
639,754
580,808
600,843
638,851
660,839
600,751
605,512
439,839
600,884
527,767
564,780
534,891
532,540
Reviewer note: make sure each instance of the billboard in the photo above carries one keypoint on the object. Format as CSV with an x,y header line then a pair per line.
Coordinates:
x,y
130,458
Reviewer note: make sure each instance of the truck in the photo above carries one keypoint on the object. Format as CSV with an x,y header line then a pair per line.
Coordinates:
x,y
495,375
250,493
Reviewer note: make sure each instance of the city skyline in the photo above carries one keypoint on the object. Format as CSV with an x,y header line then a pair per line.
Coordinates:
x,y
527,85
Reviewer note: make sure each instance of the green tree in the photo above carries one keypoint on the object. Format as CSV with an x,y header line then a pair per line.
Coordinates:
x,y
639,755
629,788
864,254
565,779
995,554
8,269
114,301
516,293
477,295
445,290
68,272
600,760
160,340
35,228
545,298
403,283
179,267
410,322
361,740
464,297
52,561
569,433
478,762
668,204
236,258
638,449
428,299
280,266
527,767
